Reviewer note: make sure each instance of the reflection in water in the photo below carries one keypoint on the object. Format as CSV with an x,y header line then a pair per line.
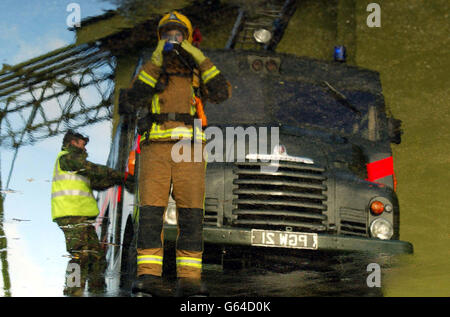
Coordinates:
x,y
400,50
276,273
284,273
3,251
4,264
88,261
74,209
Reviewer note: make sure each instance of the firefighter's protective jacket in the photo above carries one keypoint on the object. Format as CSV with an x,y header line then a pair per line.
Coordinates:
x,y
177,97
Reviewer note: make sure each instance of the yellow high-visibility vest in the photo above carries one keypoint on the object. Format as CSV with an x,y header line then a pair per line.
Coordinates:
x,y
71,194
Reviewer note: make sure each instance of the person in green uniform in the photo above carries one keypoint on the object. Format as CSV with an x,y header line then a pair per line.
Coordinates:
x,y
74,209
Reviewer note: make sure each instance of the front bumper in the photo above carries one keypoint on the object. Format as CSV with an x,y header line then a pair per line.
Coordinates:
x,y
326,242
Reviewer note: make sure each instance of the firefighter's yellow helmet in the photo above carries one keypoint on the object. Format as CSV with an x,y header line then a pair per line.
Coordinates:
x,y
176,19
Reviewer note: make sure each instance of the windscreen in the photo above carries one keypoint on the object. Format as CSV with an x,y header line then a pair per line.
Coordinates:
x,y
248,104
259,100
312,105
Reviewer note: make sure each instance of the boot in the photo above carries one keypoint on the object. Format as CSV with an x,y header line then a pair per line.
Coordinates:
x,y
189,287
149,286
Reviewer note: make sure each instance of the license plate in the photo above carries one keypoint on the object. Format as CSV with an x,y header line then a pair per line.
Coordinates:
x,y
284,239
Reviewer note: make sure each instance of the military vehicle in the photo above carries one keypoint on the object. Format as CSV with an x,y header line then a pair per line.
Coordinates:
x,y
324,181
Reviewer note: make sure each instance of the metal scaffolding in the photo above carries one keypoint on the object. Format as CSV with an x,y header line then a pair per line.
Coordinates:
x,y
65,89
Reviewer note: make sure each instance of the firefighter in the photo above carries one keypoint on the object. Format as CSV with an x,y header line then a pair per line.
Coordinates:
x,y
168,86
74,209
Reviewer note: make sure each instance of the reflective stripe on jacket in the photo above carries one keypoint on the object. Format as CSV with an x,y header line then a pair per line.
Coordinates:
x,y
71,194
164,132
157,132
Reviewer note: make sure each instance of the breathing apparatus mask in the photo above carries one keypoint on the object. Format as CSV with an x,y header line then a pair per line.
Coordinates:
x,y
173,53
173,39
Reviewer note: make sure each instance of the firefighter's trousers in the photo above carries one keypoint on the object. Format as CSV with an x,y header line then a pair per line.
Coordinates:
x,y
159,168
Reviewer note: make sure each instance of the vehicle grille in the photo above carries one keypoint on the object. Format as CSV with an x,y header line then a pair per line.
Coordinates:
x,y
353,222
211,211
292,196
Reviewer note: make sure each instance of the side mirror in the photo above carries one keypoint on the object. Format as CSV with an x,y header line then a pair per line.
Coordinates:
x,y
395,130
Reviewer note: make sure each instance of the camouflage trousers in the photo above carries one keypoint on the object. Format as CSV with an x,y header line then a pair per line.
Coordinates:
x,y
88,261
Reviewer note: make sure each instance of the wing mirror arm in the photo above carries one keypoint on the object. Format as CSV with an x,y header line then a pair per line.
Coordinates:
x,y
395,130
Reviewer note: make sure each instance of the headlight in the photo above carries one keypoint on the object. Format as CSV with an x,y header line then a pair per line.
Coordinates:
x,y
262,36
382,229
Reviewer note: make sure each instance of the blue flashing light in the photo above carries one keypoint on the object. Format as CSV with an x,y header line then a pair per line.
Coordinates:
x,y
340,53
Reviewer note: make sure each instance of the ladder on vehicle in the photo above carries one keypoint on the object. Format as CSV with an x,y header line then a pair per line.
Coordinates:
x,y
272,15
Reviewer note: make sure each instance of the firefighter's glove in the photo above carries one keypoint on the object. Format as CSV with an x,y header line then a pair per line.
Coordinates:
x,y
144,123
157,57
124,106
195,52
130,183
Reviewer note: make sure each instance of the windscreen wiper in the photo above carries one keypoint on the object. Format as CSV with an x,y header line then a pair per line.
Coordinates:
x,y
341,98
